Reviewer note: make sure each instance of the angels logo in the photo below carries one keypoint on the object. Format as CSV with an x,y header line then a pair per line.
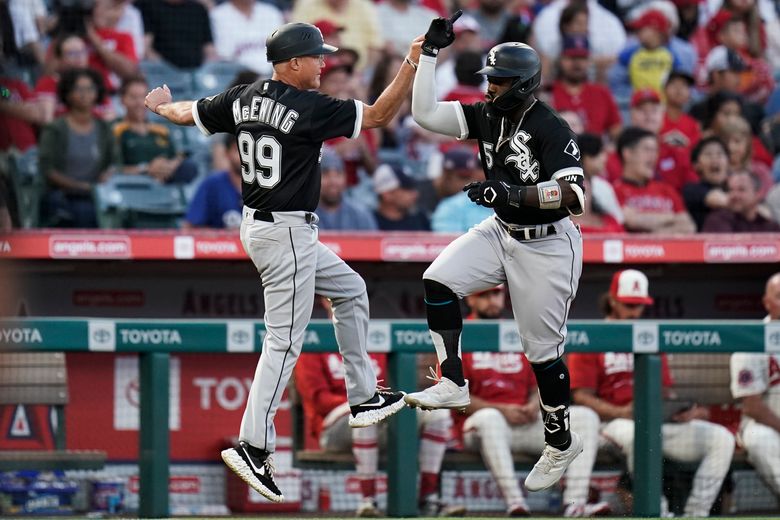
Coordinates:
x,y
492,57
522,159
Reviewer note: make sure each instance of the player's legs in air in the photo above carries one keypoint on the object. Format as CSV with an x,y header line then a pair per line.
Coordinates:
x,y
347,293
469,264
542,278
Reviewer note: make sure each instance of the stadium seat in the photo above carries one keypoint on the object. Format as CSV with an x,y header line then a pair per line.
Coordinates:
x,y
137,201
158,73
212,78
28,186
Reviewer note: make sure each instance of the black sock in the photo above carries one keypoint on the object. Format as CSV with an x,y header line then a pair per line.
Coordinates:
x,y
442,309
552,378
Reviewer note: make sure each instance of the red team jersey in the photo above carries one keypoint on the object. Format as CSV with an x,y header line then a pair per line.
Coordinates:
x,y
683,132
610,374
594,104
15,132
319,379
673,167
653,197
498,377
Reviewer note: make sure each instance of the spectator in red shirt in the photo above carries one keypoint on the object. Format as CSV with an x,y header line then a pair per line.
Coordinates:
x,y
674,163
711,161
111,52
602,212
320,380
649,206
572,90
742,215
504,417
604,382
678,128
19,113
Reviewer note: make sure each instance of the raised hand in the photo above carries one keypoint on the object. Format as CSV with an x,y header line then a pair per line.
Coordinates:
x,y
440,34
157,97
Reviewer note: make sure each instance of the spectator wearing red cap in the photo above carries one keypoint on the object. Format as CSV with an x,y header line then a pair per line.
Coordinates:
x,y
649,205
674,165
648,62
678,128
572,90
240,28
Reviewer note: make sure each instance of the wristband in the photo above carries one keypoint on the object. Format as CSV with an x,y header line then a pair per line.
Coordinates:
x,y
517,196
549,194
412,64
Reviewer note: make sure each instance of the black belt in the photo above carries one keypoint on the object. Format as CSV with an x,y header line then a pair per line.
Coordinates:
x,y
528,232
267,216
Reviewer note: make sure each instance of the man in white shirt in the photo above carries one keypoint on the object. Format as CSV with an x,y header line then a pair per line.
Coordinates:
x,y
755,381
402,20
240,28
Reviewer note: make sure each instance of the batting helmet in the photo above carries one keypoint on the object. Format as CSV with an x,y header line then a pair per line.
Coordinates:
x,y
293,40
514,60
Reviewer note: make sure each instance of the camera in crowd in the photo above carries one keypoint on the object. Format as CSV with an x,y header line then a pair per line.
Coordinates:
x,y
73,16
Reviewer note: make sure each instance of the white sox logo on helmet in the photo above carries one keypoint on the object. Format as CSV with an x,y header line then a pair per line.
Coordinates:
x,y
492,57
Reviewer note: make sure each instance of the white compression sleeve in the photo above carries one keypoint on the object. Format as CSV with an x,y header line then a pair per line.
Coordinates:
x,y
441,117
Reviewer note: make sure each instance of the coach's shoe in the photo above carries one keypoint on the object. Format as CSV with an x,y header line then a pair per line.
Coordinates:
x,y
587,510
444,394
553,462
255,467
368,509
518,510
384,404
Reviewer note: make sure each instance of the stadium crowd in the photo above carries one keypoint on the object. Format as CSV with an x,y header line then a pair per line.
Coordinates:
x,y
675,103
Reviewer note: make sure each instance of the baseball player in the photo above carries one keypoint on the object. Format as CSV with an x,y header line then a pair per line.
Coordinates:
x,y
605,383
755,381
280,125
504,417
534,181
320,382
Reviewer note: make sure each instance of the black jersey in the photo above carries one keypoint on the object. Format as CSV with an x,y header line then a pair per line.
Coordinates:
x,y
540,148
279,130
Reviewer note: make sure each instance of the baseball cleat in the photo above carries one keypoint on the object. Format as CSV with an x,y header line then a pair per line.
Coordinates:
x,y
368,509
553,462
518,510
587,510
444,394
255,467
384,404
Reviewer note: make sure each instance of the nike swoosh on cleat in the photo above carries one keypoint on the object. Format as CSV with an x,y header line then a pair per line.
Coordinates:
x,y
375,405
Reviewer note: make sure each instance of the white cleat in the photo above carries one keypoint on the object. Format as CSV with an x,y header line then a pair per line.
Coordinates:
x,y
587,510
444,394
552,464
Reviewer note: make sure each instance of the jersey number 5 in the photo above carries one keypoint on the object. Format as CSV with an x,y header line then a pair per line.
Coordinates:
x,y
260,160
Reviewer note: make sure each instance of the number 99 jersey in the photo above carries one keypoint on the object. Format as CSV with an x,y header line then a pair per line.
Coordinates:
x,y
279,130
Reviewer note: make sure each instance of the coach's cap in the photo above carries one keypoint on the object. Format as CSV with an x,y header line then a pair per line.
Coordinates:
x,y
293,40
331,160
722,58
630,286
576,46
389,176
644,95
460,158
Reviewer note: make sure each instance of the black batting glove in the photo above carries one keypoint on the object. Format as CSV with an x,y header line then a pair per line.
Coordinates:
x,y
440,34
494,194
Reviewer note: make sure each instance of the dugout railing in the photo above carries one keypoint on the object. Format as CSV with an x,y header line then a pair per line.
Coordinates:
x,y
154,341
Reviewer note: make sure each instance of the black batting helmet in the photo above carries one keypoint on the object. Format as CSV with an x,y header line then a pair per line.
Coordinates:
x,y
514,60
293,40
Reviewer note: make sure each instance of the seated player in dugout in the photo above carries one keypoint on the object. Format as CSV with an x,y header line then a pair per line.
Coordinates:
x,y
534,181
604,382
504,418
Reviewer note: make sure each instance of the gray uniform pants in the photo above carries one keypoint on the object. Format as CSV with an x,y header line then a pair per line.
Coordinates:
x,y
293,266
541,275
